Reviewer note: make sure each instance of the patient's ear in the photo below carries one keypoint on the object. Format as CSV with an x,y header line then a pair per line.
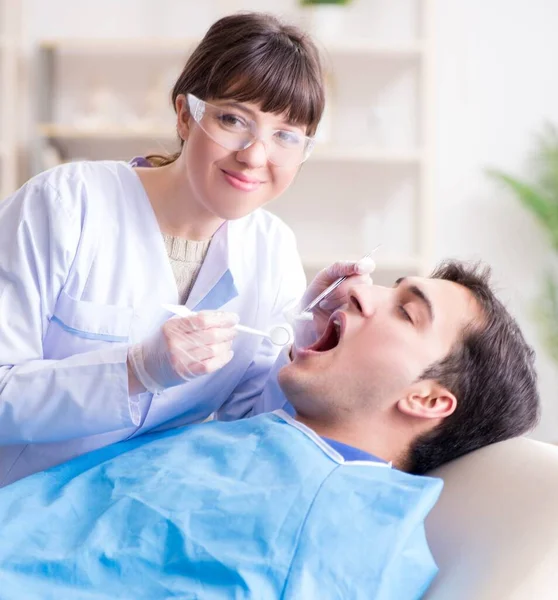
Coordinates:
x,y
182,116
427,399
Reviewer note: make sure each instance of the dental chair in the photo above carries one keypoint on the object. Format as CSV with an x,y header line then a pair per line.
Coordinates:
x,y
494,530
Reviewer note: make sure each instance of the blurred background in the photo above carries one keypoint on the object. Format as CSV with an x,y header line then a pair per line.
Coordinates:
x,y
437,142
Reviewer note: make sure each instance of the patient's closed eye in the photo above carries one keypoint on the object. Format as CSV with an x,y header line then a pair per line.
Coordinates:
x,y
405,313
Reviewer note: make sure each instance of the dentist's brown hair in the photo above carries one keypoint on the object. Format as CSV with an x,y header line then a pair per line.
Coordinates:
x,y
254,57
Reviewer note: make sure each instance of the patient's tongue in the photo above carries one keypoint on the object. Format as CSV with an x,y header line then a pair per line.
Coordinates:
x,y
329,340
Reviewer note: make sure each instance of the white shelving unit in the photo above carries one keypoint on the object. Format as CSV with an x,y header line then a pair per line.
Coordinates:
x,y
347,185
8,96
323,153
144,45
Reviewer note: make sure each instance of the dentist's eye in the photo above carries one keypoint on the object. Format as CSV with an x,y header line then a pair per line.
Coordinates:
x,y
231,121
288,138
404,313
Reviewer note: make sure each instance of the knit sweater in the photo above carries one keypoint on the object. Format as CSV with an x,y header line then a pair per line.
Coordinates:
x,y
186,258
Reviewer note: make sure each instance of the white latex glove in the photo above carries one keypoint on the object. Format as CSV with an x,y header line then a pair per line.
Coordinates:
x,y
307,332
184,348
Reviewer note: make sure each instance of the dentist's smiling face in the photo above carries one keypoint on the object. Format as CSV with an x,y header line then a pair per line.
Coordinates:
x,y
231,184
377,346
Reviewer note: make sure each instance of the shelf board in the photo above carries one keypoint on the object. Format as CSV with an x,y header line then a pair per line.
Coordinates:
x,y
70,132
351,47
369,48
409,264
130,45
321,154
369,155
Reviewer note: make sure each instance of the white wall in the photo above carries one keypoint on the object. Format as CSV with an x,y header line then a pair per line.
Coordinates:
x,y
496,84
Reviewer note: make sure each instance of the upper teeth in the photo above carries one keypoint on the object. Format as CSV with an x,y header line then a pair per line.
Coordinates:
x,y
337,324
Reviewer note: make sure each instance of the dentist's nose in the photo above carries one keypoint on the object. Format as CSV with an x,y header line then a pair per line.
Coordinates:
x,y
255,156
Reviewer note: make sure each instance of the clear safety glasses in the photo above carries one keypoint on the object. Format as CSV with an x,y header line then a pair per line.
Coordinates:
x,y
233,130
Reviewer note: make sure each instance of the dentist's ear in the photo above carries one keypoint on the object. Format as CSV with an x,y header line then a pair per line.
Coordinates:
x,y
427,399
183,116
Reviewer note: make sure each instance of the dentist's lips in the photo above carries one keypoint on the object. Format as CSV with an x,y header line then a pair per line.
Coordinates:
x,y
240,181
332,334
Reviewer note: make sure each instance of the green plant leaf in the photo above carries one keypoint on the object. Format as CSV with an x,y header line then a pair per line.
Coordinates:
x,y
546,312
539,195
544,163
531,198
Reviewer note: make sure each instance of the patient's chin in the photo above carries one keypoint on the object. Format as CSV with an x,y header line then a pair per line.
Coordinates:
x,y
295,384
287,378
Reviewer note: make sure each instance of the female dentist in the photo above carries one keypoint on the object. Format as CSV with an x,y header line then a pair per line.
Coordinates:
x,y
90,251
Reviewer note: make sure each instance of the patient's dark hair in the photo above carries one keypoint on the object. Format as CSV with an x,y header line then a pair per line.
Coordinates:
x,y
491,373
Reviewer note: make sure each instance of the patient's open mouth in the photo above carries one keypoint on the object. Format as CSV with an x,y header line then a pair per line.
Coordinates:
x,y
331,336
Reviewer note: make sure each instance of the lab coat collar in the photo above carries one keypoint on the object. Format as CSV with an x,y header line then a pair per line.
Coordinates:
x,y
215,284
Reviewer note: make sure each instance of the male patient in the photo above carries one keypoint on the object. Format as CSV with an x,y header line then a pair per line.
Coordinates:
x,y
328,504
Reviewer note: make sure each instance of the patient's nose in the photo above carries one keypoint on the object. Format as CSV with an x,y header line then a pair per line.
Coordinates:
x,y
365,299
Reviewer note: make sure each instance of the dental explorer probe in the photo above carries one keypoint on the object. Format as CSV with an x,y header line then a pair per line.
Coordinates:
x,y
279,335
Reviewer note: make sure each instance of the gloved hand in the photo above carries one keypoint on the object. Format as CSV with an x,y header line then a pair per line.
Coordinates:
x,y
307,332
184,348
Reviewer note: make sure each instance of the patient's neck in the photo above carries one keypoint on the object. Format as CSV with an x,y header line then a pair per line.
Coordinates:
x,y
374,438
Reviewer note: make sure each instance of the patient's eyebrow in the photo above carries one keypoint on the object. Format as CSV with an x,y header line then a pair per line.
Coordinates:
x,y
418,293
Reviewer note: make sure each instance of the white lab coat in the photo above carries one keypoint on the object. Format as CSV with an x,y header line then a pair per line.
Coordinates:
x,y
83,274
